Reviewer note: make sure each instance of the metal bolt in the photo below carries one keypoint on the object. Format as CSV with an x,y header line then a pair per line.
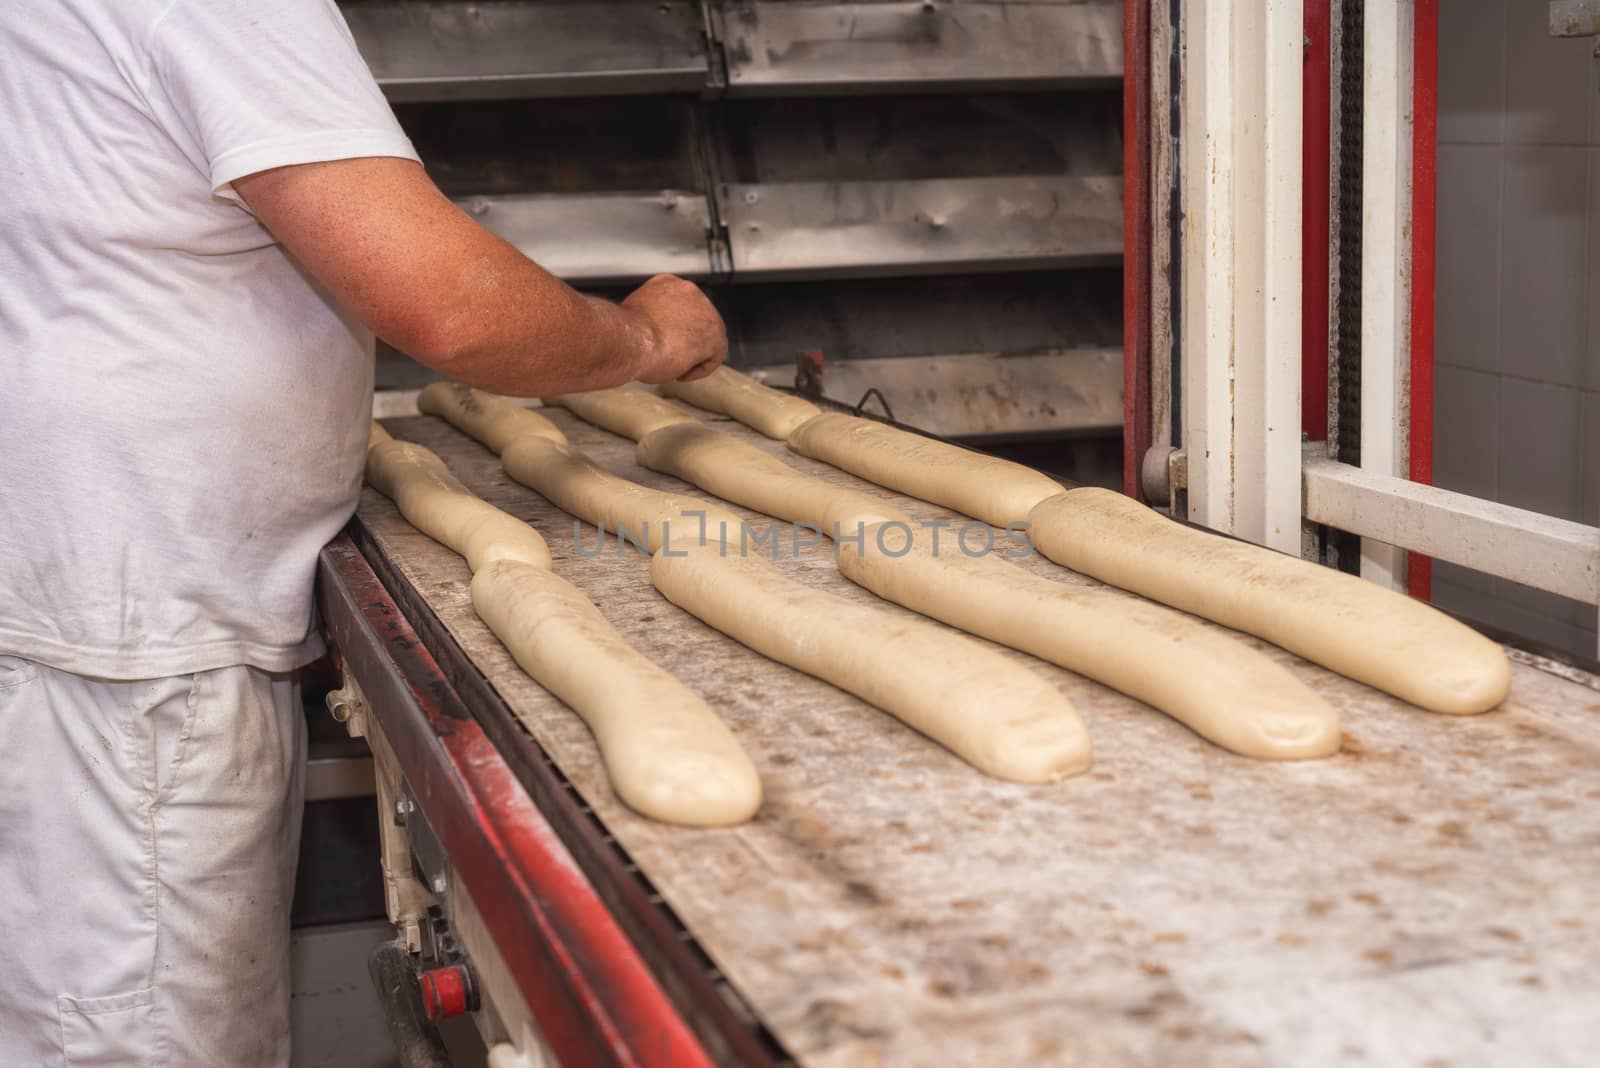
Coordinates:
x,y
440,883
403,808
751,197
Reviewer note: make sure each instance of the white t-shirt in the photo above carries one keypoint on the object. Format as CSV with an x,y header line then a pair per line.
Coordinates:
x,y
182,411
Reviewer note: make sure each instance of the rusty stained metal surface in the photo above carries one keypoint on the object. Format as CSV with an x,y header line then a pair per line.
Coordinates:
x,y
484,51
1430,892
1575,18
919,46
793,230
984,395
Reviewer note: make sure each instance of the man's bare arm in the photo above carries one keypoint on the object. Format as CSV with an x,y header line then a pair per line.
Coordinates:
x,y
382,239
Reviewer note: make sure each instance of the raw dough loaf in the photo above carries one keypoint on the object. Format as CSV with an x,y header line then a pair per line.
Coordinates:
x,y
984,707
666,752
577,485
1359,629
632,413
490,419
741,473
728,392
996,491
431,499
1221,688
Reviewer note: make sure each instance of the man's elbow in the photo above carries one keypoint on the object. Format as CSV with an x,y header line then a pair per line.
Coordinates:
x,y
445,343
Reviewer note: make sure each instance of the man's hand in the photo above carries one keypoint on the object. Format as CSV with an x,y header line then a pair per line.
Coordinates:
x,y
690,340
382,239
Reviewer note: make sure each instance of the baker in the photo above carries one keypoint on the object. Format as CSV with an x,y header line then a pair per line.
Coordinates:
x,y
207,210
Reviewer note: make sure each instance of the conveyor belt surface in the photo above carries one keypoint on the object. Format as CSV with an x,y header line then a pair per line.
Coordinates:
x,y
1428,893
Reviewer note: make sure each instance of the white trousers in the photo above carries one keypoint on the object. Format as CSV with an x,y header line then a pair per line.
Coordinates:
x,y
148,836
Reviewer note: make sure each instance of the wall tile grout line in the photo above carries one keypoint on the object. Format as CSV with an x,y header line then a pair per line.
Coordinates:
x,y
1581,388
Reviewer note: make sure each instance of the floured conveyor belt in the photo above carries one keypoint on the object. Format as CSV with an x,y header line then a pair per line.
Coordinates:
x,y
1431,892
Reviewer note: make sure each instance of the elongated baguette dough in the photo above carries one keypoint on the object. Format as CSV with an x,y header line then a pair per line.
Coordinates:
x,y
996,491
1205,678
728,392
953,690
1209,680
431,499
632,413
493,421
743,474
990,711
1357,628
666,752
577,485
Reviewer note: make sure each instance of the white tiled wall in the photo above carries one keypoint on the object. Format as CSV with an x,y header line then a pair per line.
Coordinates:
x,y
1517,343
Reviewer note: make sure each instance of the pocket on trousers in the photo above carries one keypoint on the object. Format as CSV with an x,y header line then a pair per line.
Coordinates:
x,y
15,671
114,1032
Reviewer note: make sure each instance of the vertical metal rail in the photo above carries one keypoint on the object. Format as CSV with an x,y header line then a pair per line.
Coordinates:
x,y
1174,225
1424,184
1386,258
1241,159
1345,411
1314,267
710,140
1136,207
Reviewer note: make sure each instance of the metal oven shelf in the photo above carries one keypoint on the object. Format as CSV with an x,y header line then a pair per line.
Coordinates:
x,y
485,51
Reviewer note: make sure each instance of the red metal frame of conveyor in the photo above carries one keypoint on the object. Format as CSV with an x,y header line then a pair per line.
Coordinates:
x,y
1136,428
591,993
1316,170
1424,189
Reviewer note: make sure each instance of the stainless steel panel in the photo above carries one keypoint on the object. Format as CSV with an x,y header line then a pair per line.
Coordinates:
x,y
936,135
481,51
987,394
789,46
1016,312
936,226
331,778
600,238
